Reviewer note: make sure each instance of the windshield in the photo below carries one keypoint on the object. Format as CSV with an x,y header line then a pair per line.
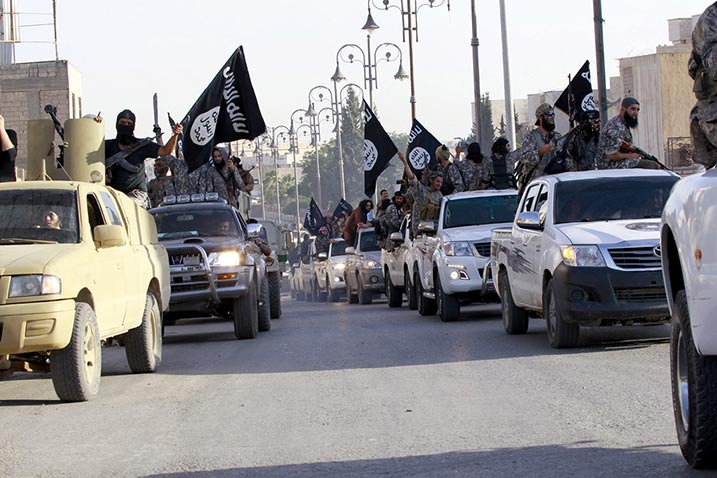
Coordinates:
x,y
338,249
605,199
38,216
479,210
197,223
369,242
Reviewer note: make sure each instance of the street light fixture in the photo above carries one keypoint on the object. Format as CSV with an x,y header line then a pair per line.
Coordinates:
x,y
276,135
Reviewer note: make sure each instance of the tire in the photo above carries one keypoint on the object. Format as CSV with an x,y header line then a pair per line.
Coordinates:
x,y
393,293
351,298
310,293
264,307
77,368
561,334
365,297
331,294
426,306
143,344
448,308
275,294
515,319
320,294
410,292
292,293
694,392
246,315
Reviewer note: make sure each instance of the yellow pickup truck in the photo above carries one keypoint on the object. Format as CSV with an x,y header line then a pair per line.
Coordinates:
x,y
80,263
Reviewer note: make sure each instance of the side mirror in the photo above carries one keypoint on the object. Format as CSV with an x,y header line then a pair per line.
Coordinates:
x,y
350,251
322,256
253,230
427,227
396,237
110,235
529,220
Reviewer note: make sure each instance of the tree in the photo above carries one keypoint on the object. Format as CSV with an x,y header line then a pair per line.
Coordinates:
x,y
486,123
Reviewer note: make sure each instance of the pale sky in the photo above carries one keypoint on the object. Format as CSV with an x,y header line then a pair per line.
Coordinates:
x,y
128,50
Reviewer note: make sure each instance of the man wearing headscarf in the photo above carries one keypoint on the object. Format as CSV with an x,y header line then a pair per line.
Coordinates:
x,y
128,174
470,167
213,175
8,153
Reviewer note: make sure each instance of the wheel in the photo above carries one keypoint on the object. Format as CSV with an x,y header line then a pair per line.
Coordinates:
x,y
275,294
515,319
561,334
449,310
292,293
332,294
351,298
426,306
393,293
246,315
143,344
264,306
77,368
320,294
694,392
365,297
410,292
310,293
300,295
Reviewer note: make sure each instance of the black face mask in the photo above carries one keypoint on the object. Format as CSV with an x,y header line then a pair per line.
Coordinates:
x,y
125,134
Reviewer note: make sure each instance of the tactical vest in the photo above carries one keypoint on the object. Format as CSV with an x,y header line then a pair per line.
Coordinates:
x,y
501,178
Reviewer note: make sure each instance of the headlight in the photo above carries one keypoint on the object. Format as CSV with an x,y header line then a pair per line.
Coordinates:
x,y
582,256
370,264
25,286
339,266
458,248
225,259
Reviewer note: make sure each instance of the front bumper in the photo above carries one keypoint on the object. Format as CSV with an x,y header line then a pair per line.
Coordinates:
x,y
600,295
336,280
192,285
466,275
36,326
372,279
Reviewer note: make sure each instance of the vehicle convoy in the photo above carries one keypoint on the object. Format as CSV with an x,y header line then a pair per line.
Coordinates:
x,y
450,259
363,275
395,270
329,272
584,250
215,267
689,266
56,307
303,274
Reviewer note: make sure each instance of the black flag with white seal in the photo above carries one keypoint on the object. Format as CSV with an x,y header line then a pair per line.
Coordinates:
x,y
378,149
422,147
343,207
313,220
226,111
578,96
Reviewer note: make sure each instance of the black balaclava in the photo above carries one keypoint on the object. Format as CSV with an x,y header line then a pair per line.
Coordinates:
x,y
125,133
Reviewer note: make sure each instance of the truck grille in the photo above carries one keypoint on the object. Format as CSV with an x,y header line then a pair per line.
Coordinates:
x,y
636,257
483,248
179,259
634,295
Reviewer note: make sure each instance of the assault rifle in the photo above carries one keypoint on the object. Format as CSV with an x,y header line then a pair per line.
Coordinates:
x,y
120,158
626,147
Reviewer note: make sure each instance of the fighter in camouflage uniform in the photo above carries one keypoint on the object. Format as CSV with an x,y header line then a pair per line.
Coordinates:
x,y
470,168
703,69
427,199
392,219
497,171
452,179
539,146
163,185
615,131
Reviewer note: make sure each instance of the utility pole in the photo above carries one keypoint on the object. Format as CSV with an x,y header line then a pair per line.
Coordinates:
x,y
600,57
509,113
476,74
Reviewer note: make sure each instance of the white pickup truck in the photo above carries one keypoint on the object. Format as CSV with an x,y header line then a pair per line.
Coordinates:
x,y
689,266
395,271
584,250
450,259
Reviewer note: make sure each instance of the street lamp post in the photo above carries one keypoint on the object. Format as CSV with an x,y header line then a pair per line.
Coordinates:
x,y
338,105
294,141
317,96
409,18
275,156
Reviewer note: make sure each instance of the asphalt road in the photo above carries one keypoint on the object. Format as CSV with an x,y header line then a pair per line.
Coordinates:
x,y
337,390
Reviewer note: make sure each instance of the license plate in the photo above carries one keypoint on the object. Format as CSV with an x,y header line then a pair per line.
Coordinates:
x,y
190,260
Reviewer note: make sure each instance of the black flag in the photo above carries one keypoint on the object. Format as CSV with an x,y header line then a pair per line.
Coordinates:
x,y
378,149
226,111
422,147
313,219
343,208
578,96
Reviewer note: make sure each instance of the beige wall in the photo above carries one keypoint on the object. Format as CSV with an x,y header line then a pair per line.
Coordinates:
x,y
677,96
25,89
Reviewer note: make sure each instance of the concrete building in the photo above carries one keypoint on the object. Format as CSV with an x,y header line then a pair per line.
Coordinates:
x,y
25,89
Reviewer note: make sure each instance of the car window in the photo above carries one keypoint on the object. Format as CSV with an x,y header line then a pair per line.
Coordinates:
x,y
542,197
38,215
94,213
530,198
338,249
479,210
369,242
111,209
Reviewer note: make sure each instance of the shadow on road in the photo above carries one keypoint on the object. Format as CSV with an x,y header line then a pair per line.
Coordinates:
x,y
577,460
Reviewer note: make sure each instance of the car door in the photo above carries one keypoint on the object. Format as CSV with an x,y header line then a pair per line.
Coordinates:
x,y
522,262
108,272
